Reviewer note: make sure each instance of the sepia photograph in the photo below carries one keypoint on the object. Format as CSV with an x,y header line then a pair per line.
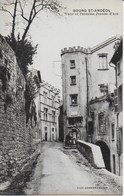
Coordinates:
x,y
61,97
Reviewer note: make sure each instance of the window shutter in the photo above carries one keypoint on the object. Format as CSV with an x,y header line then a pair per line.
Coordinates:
x,y
116,100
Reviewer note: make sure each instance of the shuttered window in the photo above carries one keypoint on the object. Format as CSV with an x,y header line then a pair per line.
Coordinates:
x,y
116,100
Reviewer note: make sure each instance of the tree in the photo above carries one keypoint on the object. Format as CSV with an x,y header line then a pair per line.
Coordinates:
x,y
28,10
25,11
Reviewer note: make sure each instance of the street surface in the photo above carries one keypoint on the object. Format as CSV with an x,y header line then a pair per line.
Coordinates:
x,y
66,171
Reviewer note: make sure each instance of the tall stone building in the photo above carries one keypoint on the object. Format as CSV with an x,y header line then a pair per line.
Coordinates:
x,y
74,84
117,63
88,96
49,106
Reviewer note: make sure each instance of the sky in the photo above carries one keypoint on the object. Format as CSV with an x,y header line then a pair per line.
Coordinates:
x,y
53,33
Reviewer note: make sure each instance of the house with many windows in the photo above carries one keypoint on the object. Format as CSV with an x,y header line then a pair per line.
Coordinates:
x,y
88,97
49,115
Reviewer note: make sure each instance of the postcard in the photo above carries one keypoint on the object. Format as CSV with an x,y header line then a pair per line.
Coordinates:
x,y
61,97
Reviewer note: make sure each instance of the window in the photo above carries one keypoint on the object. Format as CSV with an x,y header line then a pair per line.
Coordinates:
x,y
45,113
75,120
53,116
101,120
74,99
116,100
73,80
120,98
120,140
72,64
113,131
45,129
45,97
103,88
53,101
103,63
52,129
114,164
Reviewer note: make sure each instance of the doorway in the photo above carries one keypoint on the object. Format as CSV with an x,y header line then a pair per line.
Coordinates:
x,y
45,136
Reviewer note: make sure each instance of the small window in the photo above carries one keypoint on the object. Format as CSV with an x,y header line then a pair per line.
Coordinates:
x,y
120,98
103,88
103,63
75,120
52,129
53,100
53,116
74,99
72,64
45,113
73,80
45,128
101,120
113,131
45,97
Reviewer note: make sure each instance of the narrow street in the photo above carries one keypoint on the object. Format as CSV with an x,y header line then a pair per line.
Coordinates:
x,y
62,171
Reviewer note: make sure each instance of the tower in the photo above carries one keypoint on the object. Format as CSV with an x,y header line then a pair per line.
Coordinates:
x,y
75,92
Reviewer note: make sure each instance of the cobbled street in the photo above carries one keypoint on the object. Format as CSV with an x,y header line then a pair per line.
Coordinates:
x,y
66,171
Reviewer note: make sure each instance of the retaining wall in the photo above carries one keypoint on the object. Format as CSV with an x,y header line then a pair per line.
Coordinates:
x,y
92,153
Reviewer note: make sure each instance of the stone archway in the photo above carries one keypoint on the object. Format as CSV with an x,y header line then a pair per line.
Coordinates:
x,y
105,153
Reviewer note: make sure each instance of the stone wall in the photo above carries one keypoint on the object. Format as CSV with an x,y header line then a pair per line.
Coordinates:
x,y
92,153
16,136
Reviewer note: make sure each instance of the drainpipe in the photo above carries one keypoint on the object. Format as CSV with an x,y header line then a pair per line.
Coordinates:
x,y
87,96
117,113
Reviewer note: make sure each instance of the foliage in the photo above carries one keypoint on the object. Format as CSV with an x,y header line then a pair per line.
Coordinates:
x,y
24,51
25,11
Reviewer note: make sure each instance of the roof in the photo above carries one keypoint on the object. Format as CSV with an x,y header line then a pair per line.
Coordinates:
x,y
93,49
105,43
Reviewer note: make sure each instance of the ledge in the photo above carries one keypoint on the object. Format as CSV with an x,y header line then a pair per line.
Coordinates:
x,y
103,69
92,153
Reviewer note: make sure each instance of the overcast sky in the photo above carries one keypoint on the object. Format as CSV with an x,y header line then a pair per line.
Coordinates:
x,y
54,33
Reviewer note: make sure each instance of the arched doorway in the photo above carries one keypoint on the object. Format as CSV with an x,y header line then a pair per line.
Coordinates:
x,y
105,153
72,136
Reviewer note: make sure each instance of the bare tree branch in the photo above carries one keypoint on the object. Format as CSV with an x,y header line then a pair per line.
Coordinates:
x,y
5,10
7,4
22,13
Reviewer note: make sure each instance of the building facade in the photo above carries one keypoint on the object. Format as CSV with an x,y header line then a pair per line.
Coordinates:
x,y
117,62
74,85
49,106
85,75
34,78
88,97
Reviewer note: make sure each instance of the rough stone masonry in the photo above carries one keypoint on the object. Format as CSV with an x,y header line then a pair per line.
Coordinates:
x,y
16,136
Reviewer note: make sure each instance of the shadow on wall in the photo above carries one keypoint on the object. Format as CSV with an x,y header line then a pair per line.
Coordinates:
x,y
105,153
